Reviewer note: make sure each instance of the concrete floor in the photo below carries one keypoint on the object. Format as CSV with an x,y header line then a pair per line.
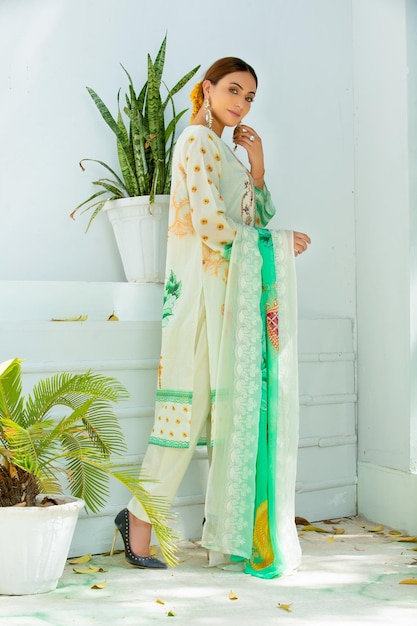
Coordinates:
x,y
349,578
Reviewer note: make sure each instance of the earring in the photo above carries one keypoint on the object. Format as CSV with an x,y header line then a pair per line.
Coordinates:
x,y
209,116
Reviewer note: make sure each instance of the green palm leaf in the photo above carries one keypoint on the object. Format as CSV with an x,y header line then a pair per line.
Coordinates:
x,y
65,433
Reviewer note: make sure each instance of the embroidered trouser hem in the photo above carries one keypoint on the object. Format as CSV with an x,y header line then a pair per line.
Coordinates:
x,y
165,465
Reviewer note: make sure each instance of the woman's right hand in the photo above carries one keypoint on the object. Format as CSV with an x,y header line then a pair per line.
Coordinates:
x,y
301,242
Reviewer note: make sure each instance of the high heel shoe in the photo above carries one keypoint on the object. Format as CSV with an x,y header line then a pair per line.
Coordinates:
x,y
122,525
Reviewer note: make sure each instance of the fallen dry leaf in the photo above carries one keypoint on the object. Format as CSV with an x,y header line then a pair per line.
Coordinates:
x,y
406,539
301,521
285,607
376,529
114,552
330,539
159,601
90,570
81,559
315,529
339,531
233,596
330,521
80,318
408,581
99,585
395,532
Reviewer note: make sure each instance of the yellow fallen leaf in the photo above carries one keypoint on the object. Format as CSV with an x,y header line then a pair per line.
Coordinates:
x,y
376,529
159,601
113,318
315,529
233,596
301,521
413,549
99,585
330,539
102,569
80,318
330,521
406,539
395,532
339,531
90,570
285,607
408,581
171,614
81,559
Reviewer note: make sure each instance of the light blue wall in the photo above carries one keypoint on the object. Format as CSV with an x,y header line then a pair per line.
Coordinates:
x,y
50,50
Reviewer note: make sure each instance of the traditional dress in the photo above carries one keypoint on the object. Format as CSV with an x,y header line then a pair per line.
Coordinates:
x,y
228,357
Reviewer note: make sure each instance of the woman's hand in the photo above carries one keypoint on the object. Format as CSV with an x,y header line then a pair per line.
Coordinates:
x,y
301,242
246,137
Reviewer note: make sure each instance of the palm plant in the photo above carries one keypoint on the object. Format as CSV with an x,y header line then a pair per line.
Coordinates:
x,y
38,448
145,143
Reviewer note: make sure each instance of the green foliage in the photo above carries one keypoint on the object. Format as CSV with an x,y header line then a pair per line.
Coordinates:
x,y
172,293
144,141
66,431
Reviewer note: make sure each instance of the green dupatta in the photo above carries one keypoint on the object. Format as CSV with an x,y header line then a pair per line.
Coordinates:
x,y
250,493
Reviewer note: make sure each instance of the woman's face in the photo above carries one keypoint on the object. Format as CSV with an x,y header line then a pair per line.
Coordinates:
x,y
231,98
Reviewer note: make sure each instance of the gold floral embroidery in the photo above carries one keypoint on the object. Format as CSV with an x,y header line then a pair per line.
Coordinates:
x,y
213,261
181,223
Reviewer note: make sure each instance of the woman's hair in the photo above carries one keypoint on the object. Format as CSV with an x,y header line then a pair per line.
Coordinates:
x,y
216,72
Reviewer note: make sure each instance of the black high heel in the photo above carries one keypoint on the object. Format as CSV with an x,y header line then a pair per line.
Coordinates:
x,y
122,525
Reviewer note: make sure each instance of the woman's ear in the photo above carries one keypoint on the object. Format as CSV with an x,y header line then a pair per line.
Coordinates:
x,y
206,88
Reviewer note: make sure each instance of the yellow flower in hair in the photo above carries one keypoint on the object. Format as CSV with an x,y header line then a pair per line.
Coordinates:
x,y
196,97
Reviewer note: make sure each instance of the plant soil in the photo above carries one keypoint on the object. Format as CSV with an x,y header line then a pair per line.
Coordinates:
x,y
20,489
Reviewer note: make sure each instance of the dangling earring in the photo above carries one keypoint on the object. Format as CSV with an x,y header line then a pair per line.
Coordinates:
x,y
209,116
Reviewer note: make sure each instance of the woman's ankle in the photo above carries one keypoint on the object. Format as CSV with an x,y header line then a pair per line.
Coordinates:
x,y
139,535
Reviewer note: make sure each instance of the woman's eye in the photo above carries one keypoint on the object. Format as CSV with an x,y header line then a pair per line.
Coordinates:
x,y
233,90
249,99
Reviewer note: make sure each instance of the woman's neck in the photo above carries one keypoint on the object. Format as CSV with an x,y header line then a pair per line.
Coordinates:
x,y
200,119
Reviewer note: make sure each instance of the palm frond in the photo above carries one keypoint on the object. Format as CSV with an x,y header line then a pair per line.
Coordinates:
x,y
11,401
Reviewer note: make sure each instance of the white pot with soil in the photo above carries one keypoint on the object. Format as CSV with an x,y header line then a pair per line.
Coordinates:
x,y
34,544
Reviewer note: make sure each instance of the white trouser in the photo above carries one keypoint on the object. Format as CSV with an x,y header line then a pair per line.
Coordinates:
x,y
167,466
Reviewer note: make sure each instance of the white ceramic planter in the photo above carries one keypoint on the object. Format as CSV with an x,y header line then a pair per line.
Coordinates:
x,y
34,545
140,229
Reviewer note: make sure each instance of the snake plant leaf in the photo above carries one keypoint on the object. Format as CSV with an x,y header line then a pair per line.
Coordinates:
x,y
122,142
110,187
181,83
108,168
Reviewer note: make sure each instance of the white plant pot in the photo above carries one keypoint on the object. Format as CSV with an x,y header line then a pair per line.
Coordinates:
x,y
140,229
34,545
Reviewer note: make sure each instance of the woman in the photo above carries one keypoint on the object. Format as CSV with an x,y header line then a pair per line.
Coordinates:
x,y
228,354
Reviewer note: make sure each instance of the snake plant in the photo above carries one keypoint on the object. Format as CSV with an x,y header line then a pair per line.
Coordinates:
x,y
65,432
145,142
